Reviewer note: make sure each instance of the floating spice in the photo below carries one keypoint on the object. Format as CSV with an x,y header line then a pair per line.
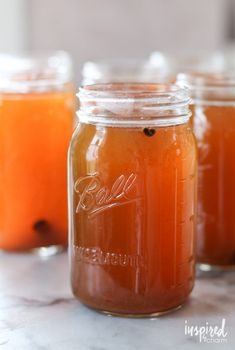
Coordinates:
x,y
149,131
41,226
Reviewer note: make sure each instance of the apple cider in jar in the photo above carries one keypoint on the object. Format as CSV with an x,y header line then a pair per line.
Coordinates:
x,y
132,186
36,124
214,126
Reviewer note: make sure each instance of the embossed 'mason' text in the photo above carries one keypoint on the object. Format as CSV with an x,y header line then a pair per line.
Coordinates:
x,y
94,197
96,256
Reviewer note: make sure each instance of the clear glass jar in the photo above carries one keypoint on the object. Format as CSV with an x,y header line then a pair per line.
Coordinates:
x,y
132,184
174,63
213,119
36,124
125,70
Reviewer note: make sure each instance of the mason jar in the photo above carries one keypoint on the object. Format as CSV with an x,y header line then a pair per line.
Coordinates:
x,y
36,124
213,107
132,192
123,70
187,61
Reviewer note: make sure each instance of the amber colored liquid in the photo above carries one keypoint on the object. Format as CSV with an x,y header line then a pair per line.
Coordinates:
x,y
35,130
132,217
214,128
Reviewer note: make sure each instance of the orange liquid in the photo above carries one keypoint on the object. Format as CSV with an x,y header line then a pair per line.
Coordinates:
x,y
214,128
35,130
133,211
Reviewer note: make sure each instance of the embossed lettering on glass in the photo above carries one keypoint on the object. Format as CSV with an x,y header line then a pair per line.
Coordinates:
x,y
132,185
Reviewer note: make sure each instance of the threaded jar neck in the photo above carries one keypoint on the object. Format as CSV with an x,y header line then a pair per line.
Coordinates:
x,y
134,104
35,72
126,70
209,88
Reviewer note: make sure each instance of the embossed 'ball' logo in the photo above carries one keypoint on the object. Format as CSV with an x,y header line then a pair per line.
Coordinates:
x,y
94,197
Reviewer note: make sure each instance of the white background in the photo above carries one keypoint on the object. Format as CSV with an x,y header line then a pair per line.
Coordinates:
x,y
93,29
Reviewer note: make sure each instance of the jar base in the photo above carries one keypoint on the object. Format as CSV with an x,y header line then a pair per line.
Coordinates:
x,y
132,315
214,268
43,252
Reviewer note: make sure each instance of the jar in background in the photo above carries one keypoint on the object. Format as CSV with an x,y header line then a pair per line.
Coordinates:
x,y
125,70
36,124
214,126
132,185
174,63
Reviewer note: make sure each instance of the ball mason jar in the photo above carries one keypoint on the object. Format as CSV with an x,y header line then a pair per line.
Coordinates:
x,y
132,186
213,107
36,124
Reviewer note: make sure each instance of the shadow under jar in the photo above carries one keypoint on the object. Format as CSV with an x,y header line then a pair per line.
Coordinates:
x,y
132,184
36,124
213,119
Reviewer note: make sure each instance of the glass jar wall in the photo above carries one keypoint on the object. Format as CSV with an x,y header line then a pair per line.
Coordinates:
x,y
132,190
124,70
36,123
188,61
214,126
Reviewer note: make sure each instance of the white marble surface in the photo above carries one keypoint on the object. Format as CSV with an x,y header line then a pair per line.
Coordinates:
x,y
38,312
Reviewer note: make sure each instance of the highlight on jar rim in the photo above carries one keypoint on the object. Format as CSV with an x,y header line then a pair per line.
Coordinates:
x,y
158,102
37,71
124,70
214,87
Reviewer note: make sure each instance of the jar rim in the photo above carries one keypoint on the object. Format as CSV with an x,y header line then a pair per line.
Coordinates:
x,y
207,80
34,71
187,61
133,103
217,88
135,91
120,70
